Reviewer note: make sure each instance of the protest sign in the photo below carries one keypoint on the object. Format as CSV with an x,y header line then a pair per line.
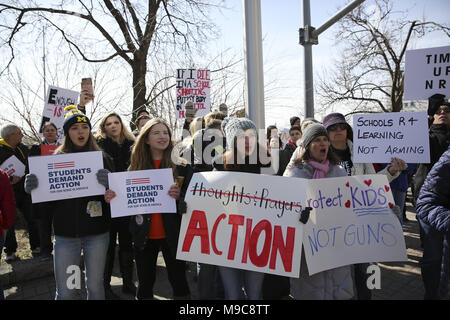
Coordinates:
x,y
243,221
13,167
66,176
379,137
55,102
48,149
351,222
284,136
427,72
193,85
140,192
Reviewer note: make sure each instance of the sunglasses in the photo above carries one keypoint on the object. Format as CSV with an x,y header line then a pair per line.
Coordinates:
x,y
440,110
340,126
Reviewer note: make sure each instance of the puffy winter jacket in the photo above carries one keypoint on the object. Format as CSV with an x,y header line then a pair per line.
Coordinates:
x,y
334,284
433,208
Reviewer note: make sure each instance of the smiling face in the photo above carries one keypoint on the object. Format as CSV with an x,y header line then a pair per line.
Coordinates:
x,y
79,134
318,148
158,138
113,127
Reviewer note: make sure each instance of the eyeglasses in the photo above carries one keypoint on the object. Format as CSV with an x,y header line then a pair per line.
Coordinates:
x,y
444,109
340,126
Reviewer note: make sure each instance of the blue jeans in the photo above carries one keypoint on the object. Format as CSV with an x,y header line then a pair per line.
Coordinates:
x,y
67,254
2,297
399,199
233,279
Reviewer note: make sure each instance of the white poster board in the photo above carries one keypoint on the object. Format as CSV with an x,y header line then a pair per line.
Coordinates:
x,y
245,221
193,85
55,102
351,222
140,192
66,176
13,167
427,72
379,137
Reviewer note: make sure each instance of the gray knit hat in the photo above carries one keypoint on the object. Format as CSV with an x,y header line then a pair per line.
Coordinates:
x,y
313,131
233,126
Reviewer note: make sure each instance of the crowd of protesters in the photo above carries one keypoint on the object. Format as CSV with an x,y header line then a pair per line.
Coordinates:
x,y
83,228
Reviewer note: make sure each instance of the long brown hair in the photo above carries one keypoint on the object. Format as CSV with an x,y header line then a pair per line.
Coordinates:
x,y
124,132
141,154
305,156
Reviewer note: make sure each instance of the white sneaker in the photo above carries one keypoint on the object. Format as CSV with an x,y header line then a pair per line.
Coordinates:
x,y
10,257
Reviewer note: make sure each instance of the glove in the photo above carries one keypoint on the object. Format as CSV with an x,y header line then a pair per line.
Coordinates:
x,y
190,111
31,182
434,102
102,177
182,206
304,216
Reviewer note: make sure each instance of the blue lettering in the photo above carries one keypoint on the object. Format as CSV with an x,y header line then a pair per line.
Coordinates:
x,y
369,231
350,234
385,241
353,194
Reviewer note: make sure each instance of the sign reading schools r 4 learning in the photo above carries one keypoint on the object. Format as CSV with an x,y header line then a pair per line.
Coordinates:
x,y
379,137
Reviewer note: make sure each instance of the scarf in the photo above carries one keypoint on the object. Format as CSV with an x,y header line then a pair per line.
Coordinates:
x,y
3,142
321,169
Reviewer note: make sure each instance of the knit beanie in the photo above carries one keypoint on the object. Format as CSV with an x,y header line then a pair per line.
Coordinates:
x,y
293,119
73,115
313,131
233,126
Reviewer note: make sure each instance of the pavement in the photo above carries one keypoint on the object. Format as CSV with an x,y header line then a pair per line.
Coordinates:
x,y
31,279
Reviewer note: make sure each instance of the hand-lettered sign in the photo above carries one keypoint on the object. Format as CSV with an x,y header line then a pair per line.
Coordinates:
x,y
193,85
244,221
351,222
379,137
427,72
143,191
13,166
66,176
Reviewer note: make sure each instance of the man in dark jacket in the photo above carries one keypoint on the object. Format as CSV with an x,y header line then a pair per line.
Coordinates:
x,y
11,145
433,213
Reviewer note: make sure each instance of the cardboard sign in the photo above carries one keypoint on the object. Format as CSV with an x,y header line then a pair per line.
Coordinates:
x,y
245,221
140,192
379,137
351,222
13,167
427,71
193,85
66,176
55,102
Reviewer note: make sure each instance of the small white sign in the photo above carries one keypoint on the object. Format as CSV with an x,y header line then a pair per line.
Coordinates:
x,y
66,176
141,192
379,137
193,85
13,167
427,72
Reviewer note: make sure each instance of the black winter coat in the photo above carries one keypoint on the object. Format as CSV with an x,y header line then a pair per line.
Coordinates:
x,y
120,153
21,152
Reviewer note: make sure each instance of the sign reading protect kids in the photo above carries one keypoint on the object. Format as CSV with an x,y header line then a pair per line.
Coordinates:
x,y
351,222
65,176
243,221
140,192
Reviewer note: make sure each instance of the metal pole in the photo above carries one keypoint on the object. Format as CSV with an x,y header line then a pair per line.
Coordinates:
x,y
254,62
308,83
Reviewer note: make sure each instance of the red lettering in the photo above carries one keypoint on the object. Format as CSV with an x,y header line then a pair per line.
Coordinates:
x,y
248,231
181,114
198,218
236,221
286,249
213,234
261,259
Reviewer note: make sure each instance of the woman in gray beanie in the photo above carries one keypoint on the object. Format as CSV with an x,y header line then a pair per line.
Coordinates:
x,y
242,155
315,162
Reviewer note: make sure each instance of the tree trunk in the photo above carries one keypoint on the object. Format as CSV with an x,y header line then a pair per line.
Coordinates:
x,y
139,68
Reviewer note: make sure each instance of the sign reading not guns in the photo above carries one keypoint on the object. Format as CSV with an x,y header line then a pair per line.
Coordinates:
x,y
66,176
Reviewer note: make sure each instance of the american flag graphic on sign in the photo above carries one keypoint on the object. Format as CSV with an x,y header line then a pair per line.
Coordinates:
x,y
61,165
137,181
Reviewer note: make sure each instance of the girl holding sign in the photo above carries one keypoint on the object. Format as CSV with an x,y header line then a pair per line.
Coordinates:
x,y
115,139
156,232
80,224
315,162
